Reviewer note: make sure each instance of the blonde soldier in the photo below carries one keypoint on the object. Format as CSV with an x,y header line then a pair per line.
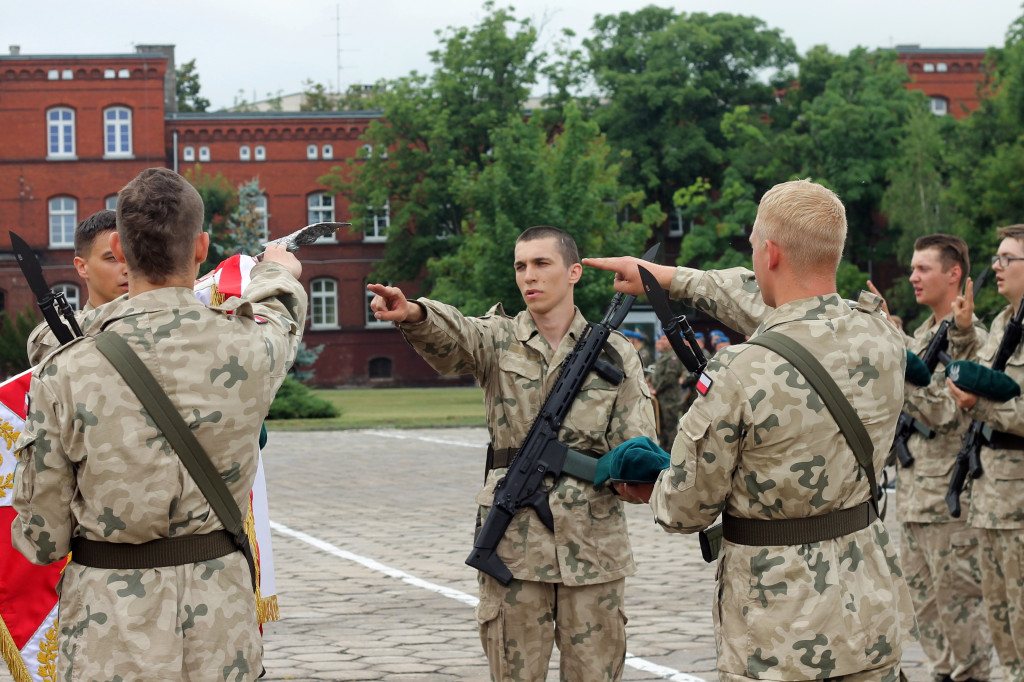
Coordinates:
x,y
94,472
997,497
940,554
760,446
567,586
105,277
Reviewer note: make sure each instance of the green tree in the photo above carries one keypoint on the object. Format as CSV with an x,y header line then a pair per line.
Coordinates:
x,y
14,333
187,88
219,201
721,222
669,79
432,127
244,231
531,180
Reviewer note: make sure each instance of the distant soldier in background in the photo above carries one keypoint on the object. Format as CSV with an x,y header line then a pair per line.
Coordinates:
x,y
664,381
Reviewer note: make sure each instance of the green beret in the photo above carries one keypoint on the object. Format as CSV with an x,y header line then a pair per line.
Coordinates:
x,y
988,383
263,436
917,372
638,460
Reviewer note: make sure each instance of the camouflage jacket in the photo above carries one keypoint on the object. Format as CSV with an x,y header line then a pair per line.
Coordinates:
x,y
668,369
760,444
921,489
92,464
997,497
517,369
42,341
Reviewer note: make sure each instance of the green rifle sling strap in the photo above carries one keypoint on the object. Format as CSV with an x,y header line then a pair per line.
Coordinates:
x,y
838,405
171,424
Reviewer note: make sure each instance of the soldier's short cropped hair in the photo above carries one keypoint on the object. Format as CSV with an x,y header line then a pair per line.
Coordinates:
x,y
1012,232
86,232
566,245
807,220
952,251
159,217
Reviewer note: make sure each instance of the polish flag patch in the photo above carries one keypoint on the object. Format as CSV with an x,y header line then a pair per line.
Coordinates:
x,y
704,384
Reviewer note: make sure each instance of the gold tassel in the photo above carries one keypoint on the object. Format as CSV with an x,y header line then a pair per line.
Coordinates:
x,y
266,609
15,663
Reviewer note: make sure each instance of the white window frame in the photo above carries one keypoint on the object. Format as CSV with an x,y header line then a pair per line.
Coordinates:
x,y
327,152
110,203
72,292
67,75
323,303
63,215
52,75
109,73
370,321
123,73
939,105
64,129
204,154
376,224
260,152
676,223
942,67
368,148
244,153
260,209
117,133
188,153
320,208
929,67
311,152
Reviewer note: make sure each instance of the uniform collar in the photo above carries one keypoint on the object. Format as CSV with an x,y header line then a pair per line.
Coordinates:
x,y
814,308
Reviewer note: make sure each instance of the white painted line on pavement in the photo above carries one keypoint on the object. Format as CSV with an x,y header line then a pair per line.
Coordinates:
x,y
428,439
632,661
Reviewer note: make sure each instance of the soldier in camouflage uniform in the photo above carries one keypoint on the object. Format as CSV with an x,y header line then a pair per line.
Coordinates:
x,y
997,497
567,586
940,554
760,445
93,467
105,277
668,371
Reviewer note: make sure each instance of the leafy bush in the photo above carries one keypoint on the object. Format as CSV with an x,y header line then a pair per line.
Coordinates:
x,y
294,400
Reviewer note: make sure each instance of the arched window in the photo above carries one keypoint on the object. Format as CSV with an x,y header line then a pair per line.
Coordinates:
x,y
63,218
117,132
188,154
323,303
311,152
204,154
60,127
372,321
327,151
71,292
261,153
244,153
261,213
939,105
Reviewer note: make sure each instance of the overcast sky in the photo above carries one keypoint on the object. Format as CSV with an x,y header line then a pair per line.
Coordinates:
x,y
267,46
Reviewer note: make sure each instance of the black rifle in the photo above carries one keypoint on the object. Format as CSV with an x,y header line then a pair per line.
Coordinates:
x,y
539,461
935,353
50,302
968,460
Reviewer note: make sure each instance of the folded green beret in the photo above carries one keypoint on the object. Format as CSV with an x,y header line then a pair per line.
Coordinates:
x,y
638,460
988,383
917,372
263,436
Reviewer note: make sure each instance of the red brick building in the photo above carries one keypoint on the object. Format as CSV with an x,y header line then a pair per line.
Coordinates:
x,y
949,76
75,128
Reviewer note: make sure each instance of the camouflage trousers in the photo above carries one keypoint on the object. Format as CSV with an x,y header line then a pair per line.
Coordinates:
x,y
520,623
1002,581
891,673
668,423
942,562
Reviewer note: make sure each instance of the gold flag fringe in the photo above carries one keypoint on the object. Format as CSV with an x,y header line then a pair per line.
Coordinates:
x,y
15,663
266,608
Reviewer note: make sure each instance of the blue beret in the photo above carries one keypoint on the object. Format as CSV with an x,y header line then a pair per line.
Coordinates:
x,y
700,336
630,334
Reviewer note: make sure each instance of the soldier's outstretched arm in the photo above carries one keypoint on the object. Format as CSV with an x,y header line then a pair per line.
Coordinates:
x,y
391,305
627,277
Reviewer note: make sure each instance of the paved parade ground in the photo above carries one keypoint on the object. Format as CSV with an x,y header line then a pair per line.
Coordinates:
x,y
370,532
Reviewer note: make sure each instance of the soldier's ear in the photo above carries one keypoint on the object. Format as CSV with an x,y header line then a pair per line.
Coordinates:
x,y
202,247
115,247
575,272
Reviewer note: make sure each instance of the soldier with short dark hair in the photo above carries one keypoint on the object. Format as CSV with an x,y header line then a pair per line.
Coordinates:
x,y
97,476
568,584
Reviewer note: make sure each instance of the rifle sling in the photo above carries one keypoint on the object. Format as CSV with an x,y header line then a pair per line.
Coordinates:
x,y
839,522
581,465
1001,440
184,443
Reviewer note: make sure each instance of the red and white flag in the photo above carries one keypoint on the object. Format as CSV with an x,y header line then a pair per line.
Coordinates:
x,y
28,594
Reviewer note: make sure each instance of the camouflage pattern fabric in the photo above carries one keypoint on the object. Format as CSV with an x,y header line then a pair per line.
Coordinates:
x,y
42,341
668,370
590,545
761,444
997,502
515,629
92,464
940,553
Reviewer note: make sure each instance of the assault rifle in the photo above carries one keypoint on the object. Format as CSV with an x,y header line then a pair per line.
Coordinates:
x,y
932,356
968,460
540,460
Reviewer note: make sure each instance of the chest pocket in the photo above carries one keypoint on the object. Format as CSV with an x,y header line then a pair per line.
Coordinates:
x,y
520,385
590,413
